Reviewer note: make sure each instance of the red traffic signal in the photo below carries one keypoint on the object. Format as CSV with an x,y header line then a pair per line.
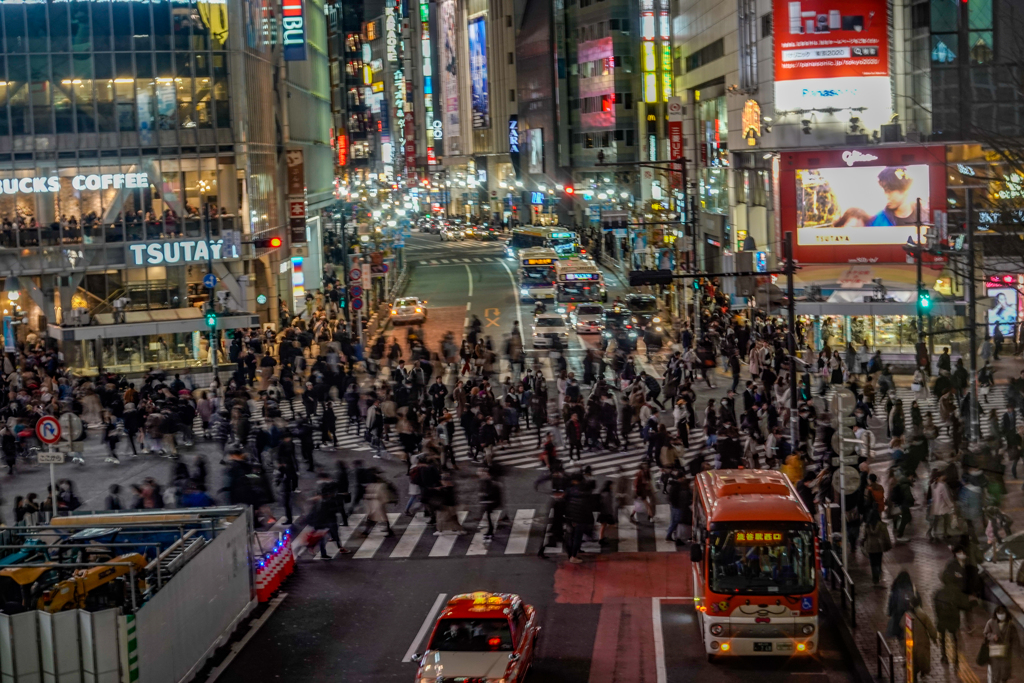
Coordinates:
x,y
270,243
570,190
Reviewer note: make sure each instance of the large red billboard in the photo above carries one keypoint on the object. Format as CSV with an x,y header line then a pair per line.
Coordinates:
x,y
859,205
831,38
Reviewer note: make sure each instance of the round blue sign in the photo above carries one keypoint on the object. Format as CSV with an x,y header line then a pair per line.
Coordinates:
x,y
356,291
209,281
357,304
261,299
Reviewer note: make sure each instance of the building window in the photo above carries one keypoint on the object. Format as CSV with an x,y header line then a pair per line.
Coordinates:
x,y
511,58
706,55
766,25
613,24
508,21
512,95
630,137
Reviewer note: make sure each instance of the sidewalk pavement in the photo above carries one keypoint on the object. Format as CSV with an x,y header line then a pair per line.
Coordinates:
x,y
924,560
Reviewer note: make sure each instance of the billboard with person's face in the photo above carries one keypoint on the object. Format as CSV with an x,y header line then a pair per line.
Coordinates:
x,y
859,206
1003,311
866,205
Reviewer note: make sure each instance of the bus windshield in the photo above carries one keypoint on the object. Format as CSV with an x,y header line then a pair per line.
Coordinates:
x,y
752,561
537,275
565,246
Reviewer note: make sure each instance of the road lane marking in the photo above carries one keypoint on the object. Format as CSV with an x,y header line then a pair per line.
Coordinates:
x,y
492,316
376,538
661,522
478,546
520,534
345,532
444,544
515,297
470,274
428,621
659,641
467,305
444,260
413,532
627,532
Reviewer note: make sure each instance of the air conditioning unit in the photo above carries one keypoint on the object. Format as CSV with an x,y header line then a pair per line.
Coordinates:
x,y
891,132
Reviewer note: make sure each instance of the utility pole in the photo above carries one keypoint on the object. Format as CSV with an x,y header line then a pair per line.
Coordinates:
x,y
972,323
918,258
794,418
210,301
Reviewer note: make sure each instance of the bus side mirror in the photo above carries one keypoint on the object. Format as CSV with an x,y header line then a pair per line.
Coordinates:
x,y
696,553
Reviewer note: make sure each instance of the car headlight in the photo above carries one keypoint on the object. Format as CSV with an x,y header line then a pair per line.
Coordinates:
x,y
608,334
717,629
656,319
419,310
394,312
657,329
807,629
634,319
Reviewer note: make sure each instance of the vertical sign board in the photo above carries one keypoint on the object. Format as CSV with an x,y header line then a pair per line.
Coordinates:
x,y
477,30
449,56
675,138
908,625
513,144
293,31
410,143
296,181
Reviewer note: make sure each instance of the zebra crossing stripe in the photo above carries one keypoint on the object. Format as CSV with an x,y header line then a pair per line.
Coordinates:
x,y
520,534
478,546
443,545
627,533
661,522
375,539
413,533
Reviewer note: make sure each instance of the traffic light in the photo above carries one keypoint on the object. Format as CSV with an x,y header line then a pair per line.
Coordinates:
x,y
639,278
570,190
269,243
211,319
696,283
924,302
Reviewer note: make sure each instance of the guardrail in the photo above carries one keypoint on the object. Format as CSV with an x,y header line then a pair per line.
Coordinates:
x,y
847,589
880,646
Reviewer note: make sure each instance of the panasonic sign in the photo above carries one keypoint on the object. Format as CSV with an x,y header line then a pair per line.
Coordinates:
x,y
184,251
38,185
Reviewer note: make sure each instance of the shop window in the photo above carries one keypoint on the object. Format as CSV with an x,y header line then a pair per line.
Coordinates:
x,y
60,28
944,16
36,16
981,47
14,28
121,13
162,30
944,48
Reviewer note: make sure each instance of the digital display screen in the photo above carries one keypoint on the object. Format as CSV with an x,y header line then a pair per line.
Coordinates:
x,y
861,205
758,537
561,235
582,276
538,261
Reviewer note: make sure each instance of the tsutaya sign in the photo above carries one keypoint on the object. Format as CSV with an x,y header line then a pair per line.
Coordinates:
x,y
182,251
30,185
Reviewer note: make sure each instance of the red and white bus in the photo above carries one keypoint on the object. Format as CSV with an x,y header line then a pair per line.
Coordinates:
x,y
755,565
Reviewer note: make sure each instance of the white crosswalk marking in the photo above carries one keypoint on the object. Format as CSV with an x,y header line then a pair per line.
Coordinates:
x,y
520,534
479,546
375,540
662,515
444,544
627,533
354,522
413,532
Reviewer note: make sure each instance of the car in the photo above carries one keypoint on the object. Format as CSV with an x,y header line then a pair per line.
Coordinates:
x,y
617,323
408,309
451,234
481,636
547,327
587,318
644,308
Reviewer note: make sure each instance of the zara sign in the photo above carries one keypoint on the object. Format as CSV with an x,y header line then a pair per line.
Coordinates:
x,y
183,251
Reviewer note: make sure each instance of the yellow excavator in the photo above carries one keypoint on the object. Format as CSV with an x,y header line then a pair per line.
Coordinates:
x,y
54,588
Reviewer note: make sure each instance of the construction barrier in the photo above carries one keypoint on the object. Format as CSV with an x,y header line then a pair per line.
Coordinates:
x,y
274,565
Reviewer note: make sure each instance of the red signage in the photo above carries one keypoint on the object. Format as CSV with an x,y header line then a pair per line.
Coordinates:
x,y
675,149
830,38
342,150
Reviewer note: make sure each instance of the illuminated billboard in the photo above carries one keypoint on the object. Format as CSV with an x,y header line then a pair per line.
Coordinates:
x,y
1003,311
449,70
861,205
857,206
833,54
535,144
477,30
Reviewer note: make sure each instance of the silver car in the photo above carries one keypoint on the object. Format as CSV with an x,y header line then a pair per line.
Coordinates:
x,y
547,328
586,318
408,309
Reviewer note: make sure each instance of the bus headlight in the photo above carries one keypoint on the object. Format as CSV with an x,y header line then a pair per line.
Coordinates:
x,y
807,629
524,292
656,319
717,629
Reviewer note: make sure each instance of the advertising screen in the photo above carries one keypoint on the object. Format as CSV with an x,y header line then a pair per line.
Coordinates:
x,y
477,29
449,70
535,140
1003,311
858,206
833,53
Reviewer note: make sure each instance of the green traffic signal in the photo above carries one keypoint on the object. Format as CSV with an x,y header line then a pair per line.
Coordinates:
x,y
211,319
924,301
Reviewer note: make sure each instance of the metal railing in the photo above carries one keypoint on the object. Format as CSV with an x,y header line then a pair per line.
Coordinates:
x,y
882,646
847,589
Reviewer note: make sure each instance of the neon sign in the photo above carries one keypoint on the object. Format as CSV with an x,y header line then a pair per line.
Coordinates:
x,y
43,184
754,537
185,251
